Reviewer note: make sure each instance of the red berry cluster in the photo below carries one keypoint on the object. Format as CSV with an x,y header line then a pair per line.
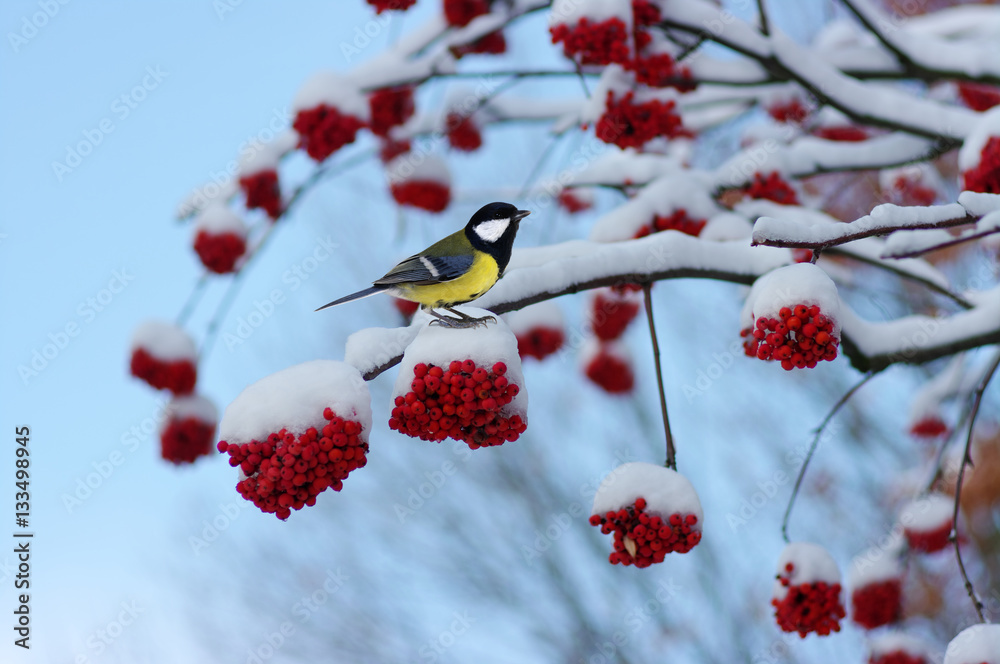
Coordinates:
x,y
877,604
384,5
593,43
907,191
808,607
391,149
801,337
629,125
405,307
184,440
897,657
463,133
985,177
219,252
929,426
773,188
323,130
611,314
263,192
846,133
644,539
390,107
929,541
572,203
678,220
423,194
791,111
610,372
492,43
660,71
287,471
178,376
459,13
539,342
462,402
979,96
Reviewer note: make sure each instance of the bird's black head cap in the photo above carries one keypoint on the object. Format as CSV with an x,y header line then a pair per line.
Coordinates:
x,y
492,229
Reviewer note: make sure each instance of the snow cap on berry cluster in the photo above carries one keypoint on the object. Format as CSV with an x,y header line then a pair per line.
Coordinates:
x,y
979,644
897,642
217,219
570,11
666,491
970,153
874,566
261,156
927,514
547,314
811,564
333,89
164,341
619,82
421,168
662,197
294,399
440,346
192,406
802,283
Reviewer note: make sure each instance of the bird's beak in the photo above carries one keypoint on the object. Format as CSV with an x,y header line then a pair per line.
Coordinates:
x,y
521,214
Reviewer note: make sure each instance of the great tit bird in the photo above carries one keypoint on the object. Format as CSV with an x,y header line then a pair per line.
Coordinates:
x,y
455,270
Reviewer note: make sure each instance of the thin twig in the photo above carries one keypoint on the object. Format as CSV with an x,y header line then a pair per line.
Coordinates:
x,y
812,450
765,26
192,300
647,288
967,460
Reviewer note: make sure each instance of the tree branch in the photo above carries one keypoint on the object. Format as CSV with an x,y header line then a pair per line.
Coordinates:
x,y
648,301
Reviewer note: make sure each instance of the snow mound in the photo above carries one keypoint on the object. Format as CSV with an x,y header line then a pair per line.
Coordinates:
x,y
971,150
802,283
666,491
418,168
164,341
570,11
891,642
927,514
874,566
192,406
373,347
979,644
812,564
218,219
327,87
545,314
294,399
659,198
266,156
726,227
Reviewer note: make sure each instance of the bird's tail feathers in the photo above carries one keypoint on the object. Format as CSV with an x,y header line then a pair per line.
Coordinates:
x,y
368,292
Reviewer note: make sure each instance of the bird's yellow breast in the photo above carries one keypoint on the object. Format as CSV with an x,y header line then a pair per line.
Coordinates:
x,y
479,279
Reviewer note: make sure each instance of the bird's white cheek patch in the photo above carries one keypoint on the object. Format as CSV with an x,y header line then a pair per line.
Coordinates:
x,y
492,230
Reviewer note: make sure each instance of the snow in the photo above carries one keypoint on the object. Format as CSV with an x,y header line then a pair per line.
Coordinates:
x,y
726,227
922,174
922,241
812,564
592,347
164,341
368,349
617,166
569,12
871,249
978,204
802,283
699,14
891,642
546,314
971,151
874,566
192,406
205,195
975,645
333,89
958,21
218,219
661,197
294,399
928,513
418,167
438,345
666,491
944,385
258,157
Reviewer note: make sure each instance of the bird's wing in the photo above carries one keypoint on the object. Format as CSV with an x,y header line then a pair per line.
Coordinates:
x,y
426,270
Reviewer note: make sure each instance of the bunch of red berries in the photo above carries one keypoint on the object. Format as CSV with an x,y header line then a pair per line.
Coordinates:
x,y
539,342
189,430
262,191
324,129
908,191
611,312
897,657
876,604
978,96
644,539
286,471
610,369
492,43
773,188
385,5
929,426
985,176
593,43
807,607
632,125
463,402
928,528
459,13
219,252
574,200
164,356
463,132
390,149
842,133
790,111
660,71
800,337
424,194
678,220
390,107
